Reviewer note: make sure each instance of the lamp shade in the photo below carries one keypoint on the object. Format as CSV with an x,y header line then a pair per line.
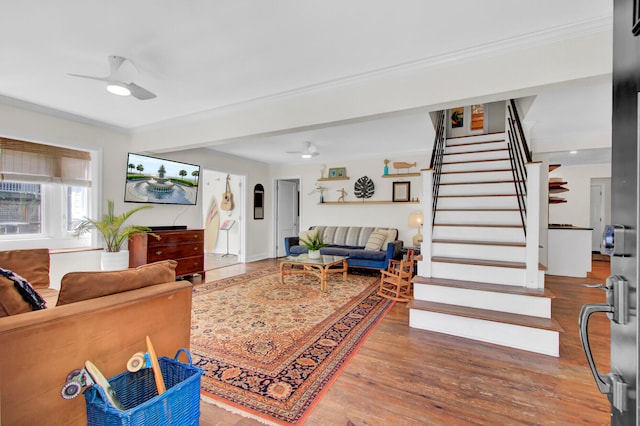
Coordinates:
x,y
415,220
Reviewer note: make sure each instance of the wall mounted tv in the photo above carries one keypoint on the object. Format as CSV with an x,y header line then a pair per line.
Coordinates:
x,y
160,181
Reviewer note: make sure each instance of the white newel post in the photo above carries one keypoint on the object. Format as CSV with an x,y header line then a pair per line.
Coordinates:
x,y
533,225
424,266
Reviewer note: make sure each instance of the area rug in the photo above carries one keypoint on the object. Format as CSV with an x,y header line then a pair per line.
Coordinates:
x,y
271,349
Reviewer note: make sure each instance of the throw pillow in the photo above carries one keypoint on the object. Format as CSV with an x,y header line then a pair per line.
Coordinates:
x,y
11,303
32,264
77,286
376,239
392,235
17,296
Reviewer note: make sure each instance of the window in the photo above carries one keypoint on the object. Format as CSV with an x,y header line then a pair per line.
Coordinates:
x,y
44,191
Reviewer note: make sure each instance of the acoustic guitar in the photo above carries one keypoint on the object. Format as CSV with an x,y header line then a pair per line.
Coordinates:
x,y
227,198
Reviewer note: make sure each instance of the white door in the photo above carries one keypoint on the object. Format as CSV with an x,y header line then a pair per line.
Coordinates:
x,y
287,213
596,219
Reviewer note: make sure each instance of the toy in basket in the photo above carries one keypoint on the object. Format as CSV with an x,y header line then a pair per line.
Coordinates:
x,y
90,375
148,360
137,392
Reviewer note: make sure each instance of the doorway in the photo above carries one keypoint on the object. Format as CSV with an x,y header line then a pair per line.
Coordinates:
x,y
287,215
224,213
599,210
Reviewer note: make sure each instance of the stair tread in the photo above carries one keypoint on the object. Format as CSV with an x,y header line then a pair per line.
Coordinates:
x,y
481,262
475,151
487,315
474,161
482,243
477,195
494,288
477,225
473,143
476,171
479,182
475,136
471,209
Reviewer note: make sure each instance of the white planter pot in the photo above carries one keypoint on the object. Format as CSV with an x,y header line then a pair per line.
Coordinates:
x,y
114,261
314,254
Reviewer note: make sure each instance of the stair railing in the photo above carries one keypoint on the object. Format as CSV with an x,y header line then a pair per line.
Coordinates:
x,y
519,156
437,159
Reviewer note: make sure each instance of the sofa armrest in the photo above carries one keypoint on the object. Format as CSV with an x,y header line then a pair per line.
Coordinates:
x,y
290,242
394,250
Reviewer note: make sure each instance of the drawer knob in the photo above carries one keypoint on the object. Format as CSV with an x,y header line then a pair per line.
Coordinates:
x,y
159,252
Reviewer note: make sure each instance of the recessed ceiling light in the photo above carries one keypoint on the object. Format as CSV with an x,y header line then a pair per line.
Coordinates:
x,y
118,89
573,152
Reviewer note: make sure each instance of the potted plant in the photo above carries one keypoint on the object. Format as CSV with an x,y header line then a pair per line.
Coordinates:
x,y
313,243
321,190
115,235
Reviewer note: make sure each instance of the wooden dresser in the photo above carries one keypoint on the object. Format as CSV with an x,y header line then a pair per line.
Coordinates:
x,y
186,246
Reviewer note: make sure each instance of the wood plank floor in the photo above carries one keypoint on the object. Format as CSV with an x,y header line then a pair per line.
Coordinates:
x,y
404,376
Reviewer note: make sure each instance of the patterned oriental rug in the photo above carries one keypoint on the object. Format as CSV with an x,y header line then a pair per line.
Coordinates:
x,y
270,350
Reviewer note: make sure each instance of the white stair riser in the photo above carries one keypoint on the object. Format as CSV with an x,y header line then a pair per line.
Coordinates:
x,y
479,273
475,156
476,177
480,217
453,149
501,302
474,233
508,202
529,339
477,188
477,138
477,165
479,251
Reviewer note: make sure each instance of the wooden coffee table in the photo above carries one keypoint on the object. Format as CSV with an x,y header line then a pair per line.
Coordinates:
x,y
320,267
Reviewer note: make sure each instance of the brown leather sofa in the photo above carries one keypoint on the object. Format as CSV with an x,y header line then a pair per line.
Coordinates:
x,y
100,316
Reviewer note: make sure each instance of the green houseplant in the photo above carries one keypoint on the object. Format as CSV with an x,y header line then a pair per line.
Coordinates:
x,y
114,233
313,243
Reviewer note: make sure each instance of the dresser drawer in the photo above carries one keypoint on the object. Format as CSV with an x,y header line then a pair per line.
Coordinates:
x,y
175,251
188,265
176,238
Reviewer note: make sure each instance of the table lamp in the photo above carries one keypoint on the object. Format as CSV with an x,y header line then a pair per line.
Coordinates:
x,y
415,221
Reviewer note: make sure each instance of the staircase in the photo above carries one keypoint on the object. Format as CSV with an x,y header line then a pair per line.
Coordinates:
x,y
473,280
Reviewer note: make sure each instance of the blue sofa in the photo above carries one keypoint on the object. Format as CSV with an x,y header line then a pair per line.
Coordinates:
x,y
351,241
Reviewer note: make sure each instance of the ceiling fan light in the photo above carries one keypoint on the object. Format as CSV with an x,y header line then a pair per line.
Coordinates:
x,y
118,89
306,155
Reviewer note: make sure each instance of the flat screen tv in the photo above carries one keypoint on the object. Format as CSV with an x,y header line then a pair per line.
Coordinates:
x,y
160,181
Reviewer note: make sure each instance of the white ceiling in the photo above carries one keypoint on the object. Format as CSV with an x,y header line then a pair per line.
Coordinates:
x,y
203,55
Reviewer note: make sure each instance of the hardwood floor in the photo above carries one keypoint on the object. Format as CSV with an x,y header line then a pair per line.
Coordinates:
x,y
405,376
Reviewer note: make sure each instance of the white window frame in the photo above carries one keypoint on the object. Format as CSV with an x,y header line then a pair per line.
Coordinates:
x,y
54,234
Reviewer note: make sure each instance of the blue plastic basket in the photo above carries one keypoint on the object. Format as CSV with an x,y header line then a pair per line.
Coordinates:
x,y
179,405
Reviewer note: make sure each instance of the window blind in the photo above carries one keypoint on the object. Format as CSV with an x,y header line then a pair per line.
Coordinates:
x,y
34,162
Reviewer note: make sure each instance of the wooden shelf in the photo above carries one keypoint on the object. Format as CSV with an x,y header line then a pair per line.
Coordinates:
x,y
368,202
557,189
556,200
336,178
397,175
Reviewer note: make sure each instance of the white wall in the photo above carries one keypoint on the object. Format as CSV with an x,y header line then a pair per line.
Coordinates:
x,y
576,210
491,77
214,185
394,215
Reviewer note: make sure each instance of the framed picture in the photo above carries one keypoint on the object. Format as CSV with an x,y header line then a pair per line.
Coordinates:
x,y
457,117
401,191
338,172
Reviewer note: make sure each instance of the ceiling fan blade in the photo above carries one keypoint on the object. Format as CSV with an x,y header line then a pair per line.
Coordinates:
x,y
140,92
89,77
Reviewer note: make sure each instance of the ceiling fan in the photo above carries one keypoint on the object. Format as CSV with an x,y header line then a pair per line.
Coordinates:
x,y
309,151
117,83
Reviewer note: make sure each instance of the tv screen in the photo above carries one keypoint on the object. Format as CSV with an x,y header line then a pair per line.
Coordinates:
x,y
156,180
